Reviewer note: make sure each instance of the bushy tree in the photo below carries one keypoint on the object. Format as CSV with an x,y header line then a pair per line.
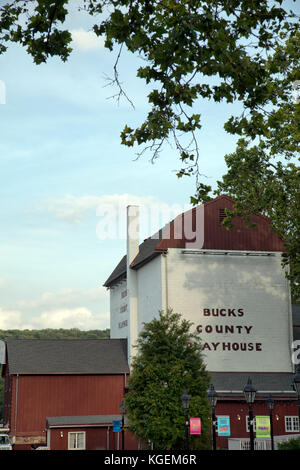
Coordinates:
x,y
168,360
292,444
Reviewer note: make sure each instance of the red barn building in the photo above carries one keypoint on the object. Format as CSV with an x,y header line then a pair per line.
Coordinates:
x,y
58,387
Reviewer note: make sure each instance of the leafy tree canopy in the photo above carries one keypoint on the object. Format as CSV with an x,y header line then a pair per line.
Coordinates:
x,y
248,47
168,361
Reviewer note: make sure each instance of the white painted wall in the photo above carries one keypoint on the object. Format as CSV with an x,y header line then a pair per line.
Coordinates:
x,y
150,299
254,284
150,290
251,293
118,317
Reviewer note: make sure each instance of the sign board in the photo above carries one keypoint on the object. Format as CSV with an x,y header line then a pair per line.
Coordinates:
x,y
263,426
223,426
195,426
117,426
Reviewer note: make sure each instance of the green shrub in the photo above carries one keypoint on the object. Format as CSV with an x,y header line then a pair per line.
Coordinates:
x,y
292,444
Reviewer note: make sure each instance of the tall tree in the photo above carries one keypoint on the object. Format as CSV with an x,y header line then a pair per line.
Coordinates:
x,y
168,361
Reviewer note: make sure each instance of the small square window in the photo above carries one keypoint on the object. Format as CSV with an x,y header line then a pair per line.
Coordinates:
x,y
291,424
76,441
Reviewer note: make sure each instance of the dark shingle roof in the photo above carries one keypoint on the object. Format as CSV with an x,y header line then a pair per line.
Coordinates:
x,y
146,253
90,420
71,356
264,382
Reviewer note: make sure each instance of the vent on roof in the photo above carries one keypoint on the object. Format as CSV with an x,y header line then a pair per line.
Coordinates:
x,y
222,215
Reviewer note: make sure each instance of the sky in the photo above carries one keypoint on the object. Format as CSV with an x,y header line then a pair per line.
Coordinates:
x,y
62,168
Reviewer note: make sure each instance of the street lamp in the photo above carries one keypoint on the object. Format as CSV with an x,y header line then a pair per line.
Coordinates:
x,y
270,403
213,398
185,400
249,392
296,386
123,410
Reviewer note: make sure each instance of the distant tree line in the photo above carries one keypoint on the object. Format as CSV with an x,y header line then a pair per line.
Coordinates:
x,y
48,333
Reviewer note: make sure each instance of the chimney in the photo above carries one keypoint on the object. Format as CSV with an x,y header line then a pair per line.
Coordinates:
x,y
132,287
132,233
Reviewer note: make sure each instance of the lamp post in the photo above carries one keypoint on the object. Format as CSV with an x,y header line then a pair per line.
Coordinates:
x,y
249,392
123,410
213,398
296,386
270,403
185,400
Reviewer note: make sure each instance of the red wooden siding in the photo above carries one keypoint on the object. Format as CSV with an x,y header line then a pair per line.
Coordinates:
x,y
45,396
96,438
259,238
217,237
238,411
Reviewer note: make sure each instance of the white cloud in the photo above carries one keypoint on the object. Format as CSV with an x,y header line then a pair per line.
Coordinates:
x,y
10,319
73,209
110,209
79,317
64,298
84,309
86,40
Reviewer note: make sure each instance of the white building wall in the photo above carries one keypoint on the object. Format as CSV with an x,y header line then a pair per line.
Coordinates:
x,y
119,312
251,294
150,294
150,290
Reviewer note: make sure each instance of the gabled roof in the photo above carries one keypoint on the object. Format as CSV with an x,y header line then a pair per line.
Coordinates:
x,y
216,237
70,356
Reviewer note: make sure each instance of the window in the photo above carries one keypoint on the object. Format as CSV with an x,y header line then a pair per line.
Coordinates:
x,y
222,215
124,294
291,424
76,441
123,308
